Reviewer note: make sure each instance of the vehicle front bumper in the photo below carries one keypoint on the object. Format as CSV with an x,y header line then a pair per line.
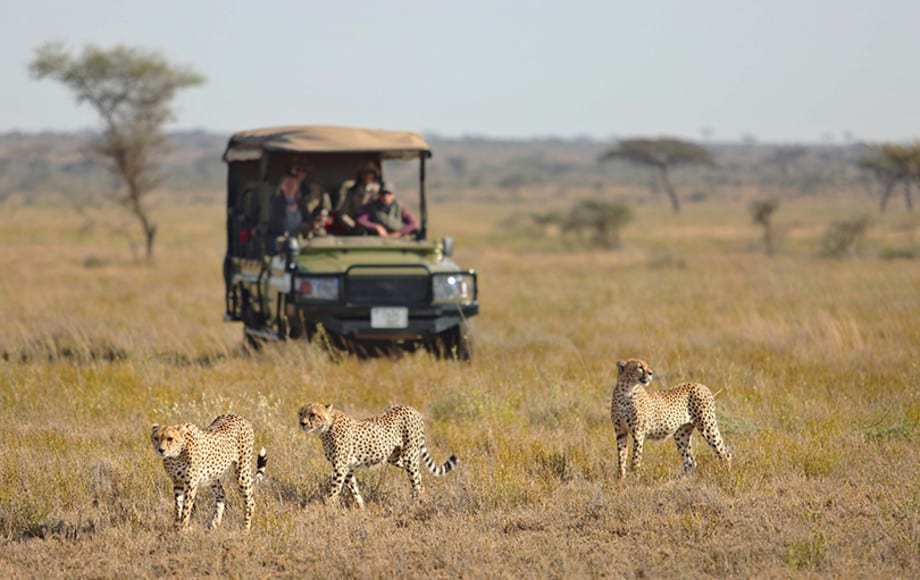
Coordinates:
x,y
355,321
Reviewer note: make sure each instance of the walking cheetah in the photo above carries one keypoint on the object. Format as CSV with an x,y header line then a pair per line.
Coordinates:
x,y
192,457
661,414
397,436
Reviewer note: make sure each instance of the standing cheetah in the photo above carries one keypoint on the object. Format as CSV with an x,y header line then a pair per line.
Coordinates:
x,y
192,457
659,415
397,437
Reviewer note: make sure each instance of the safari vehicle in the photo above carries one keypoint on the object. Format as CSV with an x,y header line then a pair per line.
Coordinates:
x,y
363,293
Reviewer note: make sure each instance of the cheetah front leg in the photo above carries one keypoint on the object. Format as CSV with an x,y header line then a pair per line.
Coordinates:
x,y
684,446
220,499
179,497
352,482
638,442
622,449
185,512
339,475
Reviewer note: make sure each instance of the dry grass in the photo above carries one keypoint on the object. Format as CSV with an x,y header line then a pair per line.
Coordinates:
x,y
817,362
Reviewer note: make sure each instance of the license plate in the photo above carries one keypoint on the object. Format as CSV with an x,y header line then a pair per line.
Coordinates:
x,y
389,317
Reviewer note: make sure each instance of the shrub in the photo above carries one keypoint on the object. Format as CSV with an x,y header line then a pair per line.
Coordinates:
x,y
599,222
762,213
841,238
900,253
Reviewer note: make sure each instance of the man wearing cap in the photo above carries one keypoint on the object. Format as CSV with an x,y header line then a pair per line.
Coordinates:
x,y
386,217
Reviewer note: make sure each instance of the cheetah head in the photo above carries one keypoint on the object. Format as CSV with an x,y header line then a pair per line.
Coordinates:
x,y
634,371
168,441
315,417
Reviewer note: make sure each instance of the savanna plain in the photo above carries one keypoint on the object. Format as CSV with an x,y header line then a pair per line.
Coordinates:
x,y
816,360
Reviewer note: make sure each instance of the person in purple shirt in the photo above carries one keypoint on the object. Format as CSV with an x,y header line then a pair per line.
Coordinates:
x,y
386,217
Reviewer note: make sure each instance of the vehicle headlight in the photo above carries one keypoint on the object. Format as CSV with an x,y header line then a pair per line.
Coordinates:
x,y
318,288
453,287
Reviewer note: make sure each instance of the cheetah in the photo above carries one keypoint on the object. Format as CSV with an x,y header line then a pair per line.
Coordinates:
x,y
659,415
397,437
192,457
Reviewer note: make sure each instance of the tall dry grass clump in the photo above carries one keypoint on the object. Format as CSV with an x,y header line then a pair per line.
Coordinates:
x,y
816,361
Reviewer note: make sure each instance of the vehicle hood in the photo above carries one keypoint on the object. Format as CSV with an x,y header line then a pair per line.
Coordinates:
x,y
331,255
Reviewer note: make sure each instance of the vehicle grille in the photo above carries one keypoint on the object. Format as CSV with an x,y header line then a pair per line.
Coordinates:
x,y
387,290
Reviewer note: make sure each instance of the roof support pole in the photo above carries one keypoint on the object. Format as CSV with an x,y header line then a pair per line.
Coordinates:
x,y
423,204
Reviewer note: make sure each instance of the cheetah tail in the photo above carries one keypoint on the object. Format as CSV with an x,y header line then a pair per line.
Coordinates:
x,y
261,460
444,469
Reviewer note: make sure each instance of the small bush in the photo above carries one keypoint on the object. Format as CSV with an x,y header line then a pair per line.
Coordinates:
x,y
593,223
762,215
598,222
698,196
95,262
841,238
900,253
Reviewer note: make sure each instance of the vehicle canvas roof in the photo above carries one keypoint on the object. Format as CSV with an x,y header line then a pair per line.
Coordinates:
x,y
248,145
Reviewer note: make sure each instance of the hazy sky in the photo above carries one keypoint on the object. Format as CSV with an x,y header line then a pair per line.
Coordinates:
x,y
801,70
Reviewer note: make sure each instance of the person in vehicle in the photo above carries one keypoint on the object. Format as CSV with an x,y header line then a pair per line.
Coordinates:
x,y
386,216
365,188
289,211
314,197
360,193
299,172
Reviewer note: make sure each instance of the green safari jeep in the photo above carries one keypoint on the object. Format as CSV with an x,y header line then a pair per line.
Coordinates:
x,y
340,284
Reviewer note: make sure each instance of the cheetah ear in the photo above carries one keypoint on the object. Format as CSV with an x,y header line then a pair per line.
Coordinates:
x,y
154,430
329,407
621,365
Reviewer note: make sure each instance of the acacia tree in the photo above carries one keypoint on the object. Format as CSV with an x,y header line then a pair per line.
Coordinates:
x,y
892,165
884,172
132,91
661,154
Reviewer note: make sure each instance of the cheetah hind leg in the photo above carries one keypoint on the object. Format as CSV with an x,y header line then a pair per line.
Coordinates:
x,y
714,438
685,446
413,469
352,482
244,482
220,499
